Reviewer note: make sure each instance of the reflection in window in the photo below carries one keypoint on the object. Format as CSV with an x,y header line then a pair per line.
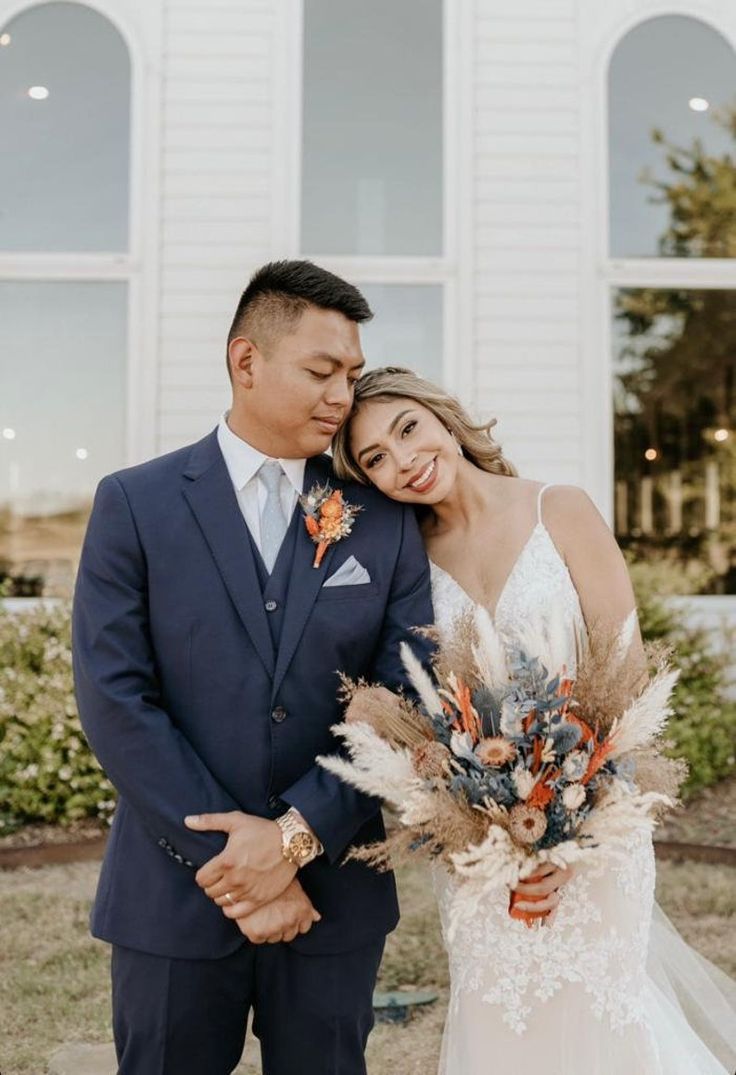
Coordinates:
x,y
406,329
62,417
65,118
675,430
672,141
372,127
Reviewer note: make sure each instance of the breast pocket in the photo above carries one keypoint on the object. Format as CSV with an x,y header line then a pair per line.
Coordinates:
x,y
354,592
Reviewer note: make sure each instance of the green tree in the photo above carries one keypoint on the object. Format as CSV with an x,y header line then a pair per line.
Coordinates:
x,y
677,358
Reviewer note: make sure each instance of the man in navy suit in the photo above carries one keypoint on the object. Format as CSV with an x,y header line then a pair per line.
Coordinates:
x,y
206,647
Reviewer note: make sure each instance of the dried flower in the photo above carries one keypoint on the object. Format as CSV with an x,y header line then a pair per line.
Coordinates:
x,y
430,759
573,796
575,764
495,751
524,781
527,824
328,518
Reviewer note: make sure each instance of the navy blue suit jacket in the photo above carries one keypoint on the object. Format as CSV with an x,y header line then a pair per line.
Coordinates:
x,y
177,680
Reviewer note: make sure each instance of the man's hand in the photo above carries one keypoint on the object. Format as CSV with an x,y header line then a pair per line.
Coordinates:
x,y
281,920
553,879
251,867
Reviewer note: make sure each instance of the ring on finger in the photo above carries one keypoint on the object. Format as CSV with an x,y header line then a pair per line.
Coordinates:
x,y
230,899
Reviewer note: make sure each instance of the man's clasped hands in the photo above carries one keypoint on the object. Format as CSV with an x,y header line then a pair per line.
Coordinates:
x,y
251,881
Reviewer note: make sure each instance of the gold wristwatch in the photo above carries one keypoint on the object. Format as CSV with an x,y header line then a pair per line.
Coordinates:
x,y
299,845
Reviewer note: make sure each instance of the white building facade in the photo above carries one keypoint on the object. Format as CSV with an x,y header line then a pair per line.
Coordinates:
x,y
474,208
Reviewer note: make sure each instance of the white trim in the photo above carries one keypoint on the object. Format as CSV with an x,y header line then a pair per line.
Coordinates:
x,y
66,266
459,365
711,273
287,164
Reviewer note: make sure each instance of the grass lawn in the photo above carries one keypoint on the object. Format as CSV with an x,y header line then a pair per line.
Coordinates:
x,y
54,978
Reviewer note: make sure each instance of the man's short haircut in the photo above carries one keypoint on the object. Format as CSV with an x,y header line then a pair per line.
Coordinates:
x,y
280,292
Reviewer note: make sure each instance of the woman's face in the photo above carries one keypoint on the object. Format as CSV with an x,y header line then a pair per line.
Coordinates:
x,y
404,450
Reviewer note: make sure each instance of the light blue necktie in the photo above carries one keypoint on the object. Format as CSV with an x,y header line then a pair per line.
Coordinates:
x,y
273,520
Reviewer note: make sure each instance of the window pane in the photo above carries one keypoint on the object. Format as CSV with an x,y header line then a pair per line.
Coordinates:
x,y
672,75
62,416
64,176
406,329
372,127
675,431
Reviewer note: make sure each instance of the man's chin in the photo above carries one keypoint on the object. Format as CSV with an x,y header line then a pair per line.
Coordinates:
x,y
317,444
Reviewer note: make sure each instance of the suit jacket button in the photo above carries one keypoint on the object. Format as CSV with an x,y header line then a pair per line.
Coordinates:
x,y
274,802
278,714
271,606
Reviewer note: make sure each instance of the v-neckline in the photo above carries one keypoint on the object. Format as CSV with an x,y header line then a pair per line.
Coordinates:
x,y
478,604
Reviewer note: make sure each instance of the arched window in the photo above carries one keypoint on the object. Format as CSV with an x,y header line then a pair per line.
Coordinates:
x,y
372,166
672,180
65,89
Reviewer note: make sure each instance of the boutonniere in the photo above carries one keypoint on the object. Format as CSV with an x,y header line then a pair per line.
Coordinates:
x,y
328,517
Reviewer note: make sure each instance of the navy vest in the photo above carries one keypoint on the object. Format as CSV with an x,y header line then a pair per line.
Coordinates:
x,y
275,587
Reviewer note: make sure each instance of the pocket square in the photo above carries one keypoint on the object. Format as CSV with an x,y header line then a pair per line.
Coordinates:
x,y
350,573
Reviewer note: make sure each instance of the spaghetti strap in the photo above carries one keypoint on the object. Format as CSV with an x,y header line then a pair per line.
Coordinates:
x,y
539,501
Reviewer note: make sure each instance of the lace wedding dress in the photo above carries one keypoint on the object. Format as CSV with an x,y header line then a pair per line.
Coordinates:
x,y
604,990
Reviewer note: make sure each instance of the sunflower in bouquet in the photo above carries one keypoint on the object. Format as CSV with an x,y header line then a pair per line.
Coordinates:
x,y
509,760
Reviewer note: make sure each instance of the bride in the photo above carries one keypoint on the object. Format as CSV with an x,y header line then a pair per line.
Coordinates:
x,y
607,986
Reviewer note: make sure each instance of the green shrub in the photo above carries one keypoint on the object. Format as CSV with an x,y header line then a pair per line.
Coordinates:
x,y
702,729
47,771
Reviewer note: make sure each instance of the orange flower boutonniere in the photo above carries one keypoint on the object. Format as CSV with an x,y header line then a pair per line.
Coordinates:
x,y
328,517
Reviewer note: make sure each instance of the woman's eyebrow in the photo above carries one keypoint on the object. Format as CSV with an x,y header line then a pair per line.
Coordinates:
x,y
391,428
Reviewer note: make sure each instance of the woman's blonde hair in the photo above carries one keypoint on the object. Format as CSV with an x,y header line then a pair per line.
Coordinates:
x,y
394,382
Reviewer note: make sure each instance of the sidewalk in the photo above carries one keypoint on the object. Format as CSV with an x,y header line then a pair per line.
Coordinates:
x,y
100,1060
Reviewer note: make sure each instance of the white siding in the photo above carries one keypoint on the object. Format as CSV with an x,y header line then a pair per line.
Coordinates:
x,y
527,232
216,205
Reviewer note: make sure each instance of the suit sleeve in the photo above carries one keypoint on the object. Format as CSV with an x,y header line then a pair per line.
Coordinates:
x,y
333,810
145,756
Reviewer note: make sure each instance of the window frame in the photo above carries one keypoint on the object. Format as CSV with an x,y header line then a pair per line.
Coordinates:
x,y
139,267
600,274
453,269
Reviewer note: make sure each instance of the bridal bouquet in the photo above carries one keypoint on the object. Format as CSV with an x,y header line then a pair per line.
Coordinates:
x,y
508,763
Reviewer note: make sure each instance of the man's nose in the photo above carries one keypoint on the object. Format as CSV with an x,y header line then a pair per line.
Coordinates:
x,y
339,392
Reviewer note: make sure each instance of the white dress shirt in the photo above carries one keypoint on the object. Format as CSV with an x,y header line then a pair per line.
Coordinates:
x,y
243,462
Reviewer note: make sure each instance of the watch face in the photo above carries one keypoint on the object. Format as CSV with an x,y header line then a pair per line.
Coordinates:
x,y
301,845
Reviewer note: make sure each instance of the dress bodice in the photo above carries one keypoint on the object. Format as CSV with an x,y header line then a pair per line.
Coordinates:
x,y
538,588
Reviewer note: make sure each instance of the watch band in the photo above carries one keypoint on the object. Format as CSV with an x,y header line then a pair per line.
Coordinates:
x,y
294,830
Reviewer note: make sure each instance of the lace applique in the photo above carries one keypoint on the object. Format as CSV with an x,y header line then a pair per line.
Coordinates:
x,y
515,967
539,580
598,941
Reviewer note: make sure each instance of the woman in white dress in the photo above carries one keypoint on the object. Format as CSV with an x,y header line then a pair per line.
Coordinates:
x,y
607,987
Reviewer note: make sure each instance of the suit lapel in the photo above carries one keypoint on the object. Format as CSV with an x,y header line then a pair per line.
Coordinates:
x,y
211,496
306,581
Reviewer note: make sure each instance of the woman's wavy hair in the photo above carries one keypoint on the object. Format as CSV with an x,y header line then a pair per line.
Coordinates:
x,y
395,382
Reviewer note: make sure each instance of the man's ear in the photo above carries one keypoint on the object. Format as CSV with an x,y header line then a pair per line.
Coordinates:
x,y
242,355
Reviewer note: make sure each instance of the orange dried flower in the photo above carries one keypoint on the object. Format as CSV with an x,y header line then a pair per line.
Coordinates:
x,y
327,517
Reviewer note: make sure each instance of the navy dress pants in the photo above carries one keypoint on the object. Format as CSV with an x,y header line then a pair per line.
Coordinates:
x,y
311,1013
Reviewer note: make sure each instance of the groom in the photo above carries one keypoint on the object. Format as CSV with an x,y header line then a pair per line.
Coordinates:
x,y
206,647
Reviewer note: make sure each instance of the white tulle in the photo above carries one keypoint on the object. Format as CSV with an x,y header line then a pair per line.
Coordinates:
x,y
610,988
